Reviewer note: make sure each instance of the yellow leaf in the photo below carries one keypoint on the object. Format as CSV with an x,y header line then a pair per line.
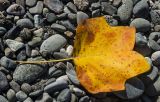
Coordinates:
x,y
104,57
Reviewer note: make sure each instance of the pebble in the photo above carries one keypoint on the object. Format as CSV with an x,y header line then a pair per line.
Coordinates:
x,y
8,63
141,25
12,33
3,99
155,57
25,34
56,86
16,10
60,55
69,50
53,43
64,96
14,45
54,5
51,17
140,40
54,72
81,4
36,41
68,25
15,86
154,36
71,7
21,96
45,98
116,3
11,95
25,87
78,92
154,45
84,99
108,9
35,53
28,100
141,9
36,93
155,17
3,82
134,88
4,4
95,6
37,9
25,23
2,31
58,27
31,3
70,71
153,89
27,73
125,10
81,16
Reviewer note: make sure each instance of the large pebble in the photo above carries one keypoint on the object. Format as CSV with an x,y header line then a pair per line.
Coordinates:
x,y
153,89
14,45
141,24
81,16
3,82
125,10
3,99
37,9
134,88
54,5
44,98
70,71
155,57
21,96
27,73
64,96
16,9
141,9
11,95
25,23
56,86
31,2
81,4
108,8
53,43
8,63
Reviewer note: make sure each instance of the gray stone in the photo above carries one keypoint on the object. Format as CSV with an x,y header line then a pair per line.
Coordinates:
x,y
37,9
53,43
125,10
141,9
70,71
21,96
25,23
36,41
155,17
51,17
22,55
81,16
64,96
74,98
54,5
68,25
141,25
25,87
11,95
27,73
96,13
3,99
31,3
3,82
134,88
116,3
58,27
78,92
28,100
15,86
154,45
81,4
36,93
16,10
56,86
84,99
4,4
54,72
60,55
72,7
95,6
155,57
14,45
108,9
2,31
154,36
8,63
45,98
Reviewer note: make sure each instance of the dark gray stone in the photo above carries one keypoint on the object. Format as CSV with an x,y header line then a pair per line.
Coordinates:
x,y
125,10
36,93
81,16
27,73
54,72
54,5
72,7
141,25
44,98
134,88
141,9
51,17
58,27
11,95
3,82
15,86
36,41
21,96
68,25
14,45
31,3
96,13
53,43
56,86
22,55
2,31
95,6
84,99
25,23
4,4
8,63
37,9
155,16
108,9
16,10
64,96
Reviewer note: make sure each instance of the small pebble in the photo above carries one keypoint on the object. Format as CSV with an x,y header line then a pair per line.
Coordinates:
x,y
15,86
21,96
25,23
64,96
37,9
16,10
11,95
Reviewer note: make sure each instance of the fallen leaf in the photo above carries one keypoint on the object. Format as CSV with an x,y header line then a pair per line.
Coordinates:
x,y
103,56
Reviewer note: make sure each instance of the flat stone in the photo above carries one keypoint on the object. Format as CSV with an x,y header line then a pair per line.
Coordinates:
x,y
64,96
51,17
72,7
14,45
108,8
37,9
154,45
25,23
25,87
16,10
58,27
31,3
81,16
21,96
8,63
